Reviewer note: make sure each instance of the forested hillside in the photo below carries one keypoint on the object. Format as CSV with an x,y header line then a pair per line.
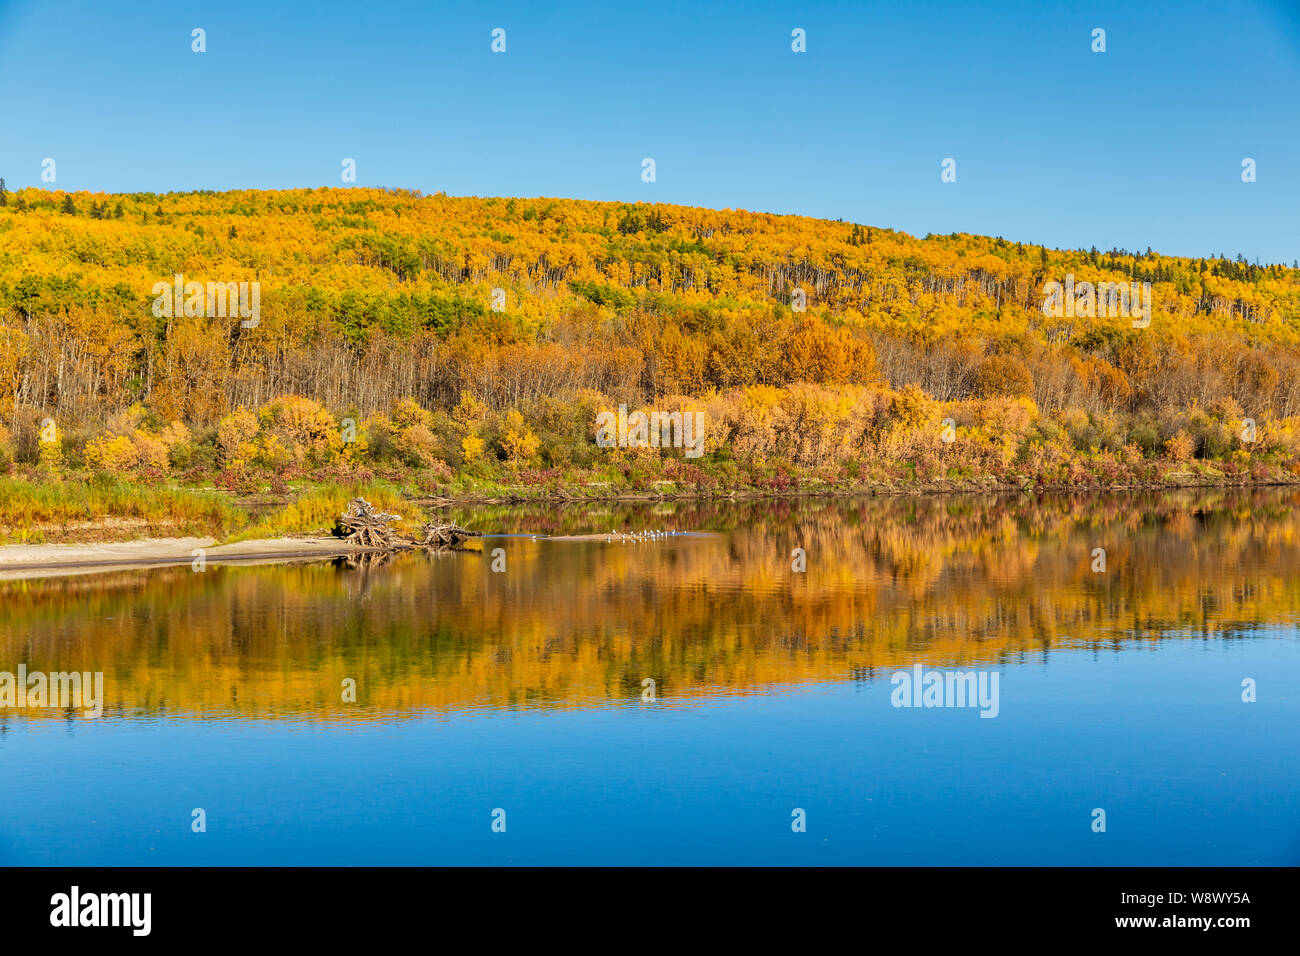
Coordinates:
x,y
378,306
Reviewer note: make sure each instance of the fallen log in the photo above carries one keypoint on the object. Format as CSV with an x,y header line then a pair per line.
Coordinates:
x,y
439,535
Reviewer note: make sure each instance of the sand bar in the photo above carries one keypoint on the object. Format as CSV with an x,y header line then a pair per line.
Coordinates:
x,y
38,560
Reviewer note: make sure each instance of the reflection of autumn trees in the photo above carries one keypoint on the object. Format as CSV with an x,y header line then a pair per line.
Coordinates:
x,y
888,582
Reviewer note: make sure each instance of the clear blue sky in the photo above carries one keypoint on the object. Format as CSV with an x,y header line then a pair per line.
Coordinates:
x,y
1141,145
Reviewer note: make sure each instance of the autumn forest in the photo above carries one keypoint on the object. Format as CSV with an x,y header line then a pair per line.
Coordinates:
x,y
455,344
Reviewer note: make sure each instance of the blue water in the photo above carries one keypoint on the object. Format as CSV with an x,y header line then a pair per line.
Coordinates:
x,y
1157,736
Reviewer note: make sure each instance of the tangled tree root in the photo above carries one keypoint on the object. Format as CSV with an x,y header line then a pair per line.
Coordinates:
x,y
368,528
372,530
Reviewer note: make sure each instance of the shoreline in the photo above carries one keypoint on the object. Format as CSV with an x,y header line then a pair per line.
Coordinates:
x,y
929,488
25,561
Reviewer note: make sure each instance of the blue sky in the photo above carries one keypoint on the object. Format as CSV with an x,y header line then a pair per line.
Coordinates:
x,y
1140,145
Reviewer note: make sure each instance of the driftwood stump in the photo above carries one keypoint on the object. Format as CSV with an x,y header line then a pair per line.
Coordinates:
x,y
440,536
367,527
373,531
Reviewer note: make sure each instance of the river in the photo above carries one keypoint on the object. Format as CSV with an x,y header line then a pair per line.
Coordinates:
x,y
706,695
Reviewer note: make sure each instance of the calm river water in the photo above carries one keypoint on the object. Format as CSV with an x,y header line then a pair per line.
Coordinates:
x,y
690,698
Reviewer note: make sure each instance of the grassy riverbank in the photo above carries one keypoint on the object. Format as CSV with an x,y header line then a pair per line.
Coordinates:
x,y
108,508
105,508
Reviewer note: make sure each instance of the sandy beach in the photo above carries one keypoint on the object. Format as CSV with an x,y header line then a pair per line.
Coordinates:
x,y
19,561
47,560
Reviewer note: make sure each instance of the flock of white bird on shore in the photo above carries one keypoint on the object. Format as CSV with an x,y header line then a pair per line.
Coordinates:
x,y
623,537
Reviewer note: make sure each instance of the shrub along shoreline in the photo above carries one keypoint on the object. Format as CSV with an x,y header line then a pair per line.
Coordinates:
x,y
290,467
79,506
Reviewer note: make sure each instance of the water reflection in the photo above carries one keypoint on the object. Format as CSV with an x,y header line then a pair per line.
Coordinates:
x,y
889,582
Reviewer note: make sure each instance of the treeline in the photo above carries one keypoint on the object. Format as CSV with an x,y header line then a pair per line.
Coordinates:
x,y
369,297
